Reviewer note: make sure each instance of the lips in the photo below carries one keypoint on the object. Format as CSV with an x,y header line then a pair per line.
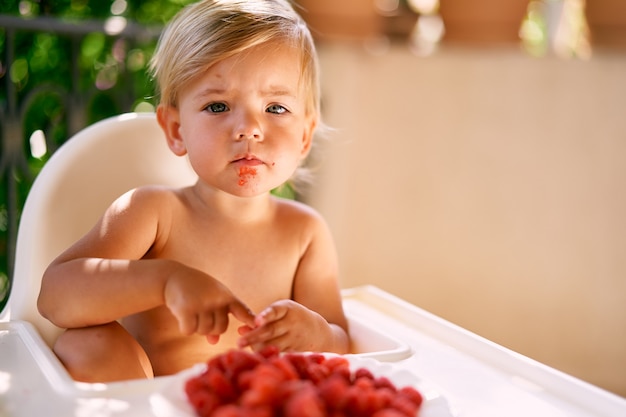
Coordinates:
x,y
248,160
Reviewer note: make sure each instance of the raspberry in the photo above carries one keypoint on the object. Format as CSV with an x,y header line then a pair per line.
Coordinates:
x,y
266,384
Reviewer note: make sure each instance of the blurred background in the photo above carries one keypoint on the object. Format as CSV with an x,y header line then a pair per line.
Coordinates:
x,y
476,166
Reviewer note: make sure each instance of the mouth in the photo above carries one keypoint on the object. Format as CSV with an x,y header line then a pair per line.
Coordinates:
x,y
247,160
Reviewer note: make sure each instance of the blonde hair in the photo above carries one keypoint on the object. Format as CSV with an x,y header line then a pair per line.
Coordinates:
x,y
210,31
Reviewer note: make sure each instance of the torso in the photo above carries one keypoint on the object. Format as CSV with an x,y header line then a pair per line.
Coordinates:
x,y
256,261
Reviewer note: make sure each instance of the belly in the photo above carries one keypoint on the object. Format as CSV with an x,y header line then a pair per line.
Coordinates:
x,y
170,351
182,352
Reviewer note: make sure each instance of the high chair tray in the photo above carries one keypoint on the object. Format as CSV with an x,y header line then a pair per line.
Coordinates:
x,y
478,378
22,345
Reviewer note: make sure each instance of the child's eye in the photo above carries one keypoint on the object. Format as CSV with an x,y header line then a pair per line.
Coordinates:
x,y
277,109
216,107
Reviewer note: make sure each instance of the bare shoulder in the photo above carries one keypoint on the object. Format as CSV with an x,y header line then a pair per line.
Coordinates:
x,y
149,193
136,221
146,197
302,220
147,209
299,212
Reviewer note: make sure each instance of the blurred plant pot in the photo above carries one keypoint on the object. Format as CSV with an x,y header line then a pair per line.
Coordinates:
x,y
343,19
482,21
607,22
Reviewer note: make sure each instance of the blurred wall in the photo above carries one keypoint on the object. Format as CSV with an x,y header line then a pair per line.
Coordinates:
x,y
489,188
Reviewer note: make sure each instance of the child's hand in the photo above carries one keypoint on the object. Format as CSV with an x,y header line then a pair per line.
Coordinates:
x,y
201,304
288,325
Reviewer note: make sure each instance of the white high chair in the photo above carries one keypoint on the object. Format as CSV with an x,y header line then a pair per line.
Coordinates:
x,y
71,192
74,188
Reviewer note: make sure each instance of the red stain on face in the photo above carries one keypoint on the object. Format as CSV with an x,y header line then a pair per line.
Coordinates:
x,y
245,174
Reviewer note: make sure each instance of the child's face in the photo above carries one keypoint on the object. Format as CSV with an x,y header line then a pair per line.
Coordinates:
x,y
243,122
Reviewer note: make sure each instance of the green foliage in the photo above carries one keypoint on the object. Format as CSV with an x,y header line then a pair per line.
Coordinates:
x,y
110,78
4,289
42,57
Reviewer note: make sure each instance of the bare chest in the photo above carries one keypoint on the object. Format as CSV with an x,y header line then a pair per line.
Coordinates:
x,y
258,264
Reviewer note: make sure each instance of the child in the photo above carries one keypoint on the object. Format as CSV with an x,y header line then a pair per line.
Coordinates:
x,y
161,272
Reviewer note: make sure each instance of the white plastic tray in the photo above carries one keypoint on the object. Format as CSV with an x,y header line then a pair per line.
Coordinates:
x,y
479,378
21,342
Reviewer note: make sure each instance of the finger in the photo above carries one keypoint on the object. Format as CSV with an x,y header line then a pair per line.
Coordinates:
x,y
282,343
220,323
242,342
272,313
242,313
187,323
206,323
263,334
213,338
242,330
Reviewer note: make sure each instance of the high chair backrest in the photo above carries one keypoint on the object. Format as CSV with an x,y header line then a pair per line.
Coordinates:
x,y
73,189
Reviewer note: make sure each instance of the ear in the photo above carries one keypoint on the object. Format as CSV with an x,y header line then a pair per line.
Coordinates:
x,y
307,136
169,120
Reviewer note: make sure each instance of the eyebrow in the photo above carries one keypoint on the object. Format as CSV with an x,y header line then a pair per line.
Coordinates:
x,y
208,91
278,91
272,91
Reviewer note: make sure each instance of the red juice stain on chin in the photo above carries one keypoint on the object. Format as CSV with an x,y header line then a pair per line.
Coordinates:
x,y
245,174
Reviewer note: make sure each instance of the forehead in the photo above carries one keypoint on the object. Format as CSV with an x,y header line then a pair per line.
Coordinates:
x,y
268,51
256,67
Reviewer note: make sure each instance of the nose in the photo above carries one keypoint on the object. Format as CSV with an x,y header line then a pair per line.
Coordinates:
x,y
248,127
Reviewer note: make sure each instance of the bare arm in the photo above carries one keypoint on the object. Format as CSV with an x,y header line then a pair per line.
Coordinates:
x,y
97,280
103,277
316,287
88,291
313,320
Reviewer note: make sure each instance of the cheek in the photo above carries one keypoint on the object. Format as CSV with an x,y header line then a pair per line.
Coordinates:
x,y
287,161
203,152
198,137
